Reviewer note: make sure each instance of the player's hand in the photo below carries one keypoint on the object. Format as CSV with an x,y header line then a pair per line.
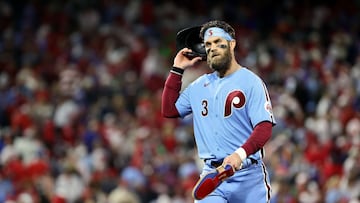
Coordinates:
x,y
182,61
234,160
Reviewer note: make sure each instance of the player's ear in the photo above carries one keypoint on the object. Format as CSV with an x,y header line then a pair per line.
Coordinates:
x,y
232,44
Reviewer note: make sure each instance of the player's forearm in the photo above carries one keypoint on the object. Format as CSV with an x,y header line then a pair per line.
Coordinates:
x,y
257,139
170,94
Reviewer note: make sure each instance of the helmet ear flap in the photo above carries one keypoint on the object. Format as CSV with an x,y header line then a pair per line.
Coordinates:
x,y
190,38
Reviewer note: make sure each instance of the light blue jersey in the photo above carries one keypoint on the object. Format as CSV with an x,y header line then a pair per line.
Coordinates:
x,y
225,111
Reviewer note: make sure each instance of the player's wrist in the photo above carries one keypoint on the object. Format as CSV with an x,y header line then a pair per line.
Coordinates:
x,y
177,70
242,153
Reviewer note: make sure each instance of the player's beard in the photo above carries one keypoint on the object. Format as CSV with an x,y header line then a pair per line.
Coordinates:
x,y
221,64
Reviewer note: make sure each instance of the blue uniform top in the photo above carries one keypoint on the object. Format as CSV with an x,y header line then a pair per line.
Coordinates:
x,y
225,111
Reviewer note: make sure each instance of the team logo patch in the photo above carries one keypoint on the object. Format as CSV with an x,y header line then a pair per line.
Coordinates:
x,y
268,107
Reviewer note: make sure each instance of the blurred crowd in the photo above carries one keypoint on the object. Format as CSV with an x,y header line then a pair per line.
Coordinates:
x,y
80,97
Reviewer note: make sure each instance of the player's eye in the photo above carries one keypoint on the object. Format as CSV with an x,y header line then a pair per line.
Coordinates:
x,y
207,50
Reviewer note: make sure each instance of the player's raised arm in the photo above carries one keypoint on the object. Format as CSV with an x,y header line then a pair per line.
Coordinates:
x,y
171,93
173,83
190,50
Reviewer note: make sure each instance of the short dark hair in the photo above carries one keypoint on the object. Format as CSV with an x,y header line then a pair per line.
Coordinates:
x,y
217,23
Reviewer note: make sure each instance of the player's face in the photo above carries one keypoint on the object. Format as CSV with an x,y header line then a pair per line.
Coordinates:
x,y
218,54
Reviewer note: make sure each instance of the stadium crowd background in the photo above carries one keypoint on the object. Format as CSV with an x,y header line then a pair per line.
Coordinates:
x,y
80,88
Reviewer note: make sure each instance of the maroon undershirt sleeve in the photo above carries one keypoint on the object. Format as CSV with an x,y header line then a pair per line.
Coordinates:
x,y
170,94
261,134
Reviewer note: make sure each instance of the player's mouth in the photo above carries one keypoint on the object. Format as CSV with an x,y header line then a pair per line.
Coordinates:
x,y
214,55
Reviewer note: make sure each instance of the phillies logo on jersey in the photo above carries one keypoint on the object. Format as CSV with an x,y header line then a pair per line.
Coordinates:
x,y
235,99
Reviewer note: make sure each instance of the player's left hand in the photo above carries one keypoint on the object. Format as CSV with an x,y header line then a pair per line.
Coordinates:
x,y
234,160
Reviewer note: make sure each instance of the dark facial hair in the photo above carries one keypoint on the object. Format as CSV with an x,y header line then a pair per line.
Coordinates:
x,y
223,64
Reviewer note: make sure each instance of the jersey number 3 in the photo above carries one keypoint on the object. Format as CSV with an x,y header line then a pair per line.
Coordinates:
x,y
235,99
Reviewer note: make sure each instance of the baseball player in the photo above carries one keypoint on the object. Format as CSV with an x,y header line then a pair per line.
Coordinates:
x,y
232,115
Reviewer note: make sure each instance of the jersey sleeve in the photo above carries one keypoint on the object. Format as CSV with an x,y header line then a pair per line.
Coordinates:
x,y
183,104
259,105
